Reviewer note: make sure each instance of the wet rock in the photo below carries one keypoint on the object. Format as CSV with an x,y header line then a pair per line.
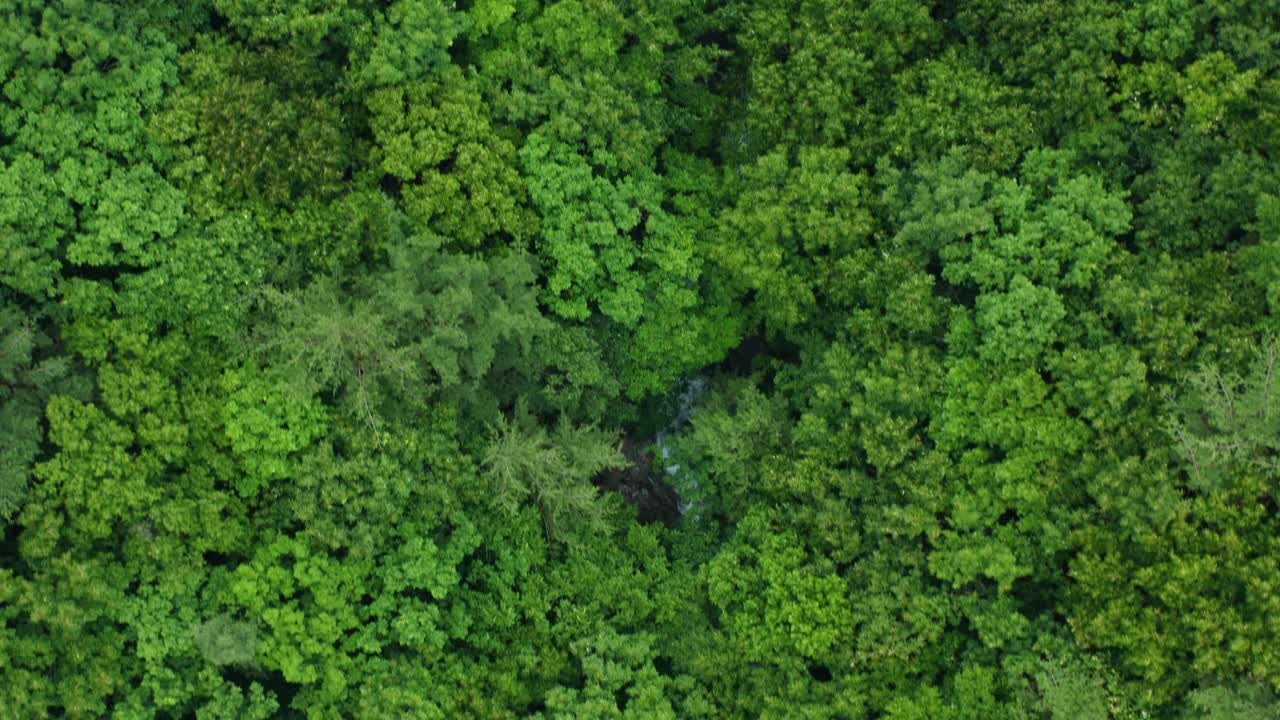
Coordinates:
x,y
643,484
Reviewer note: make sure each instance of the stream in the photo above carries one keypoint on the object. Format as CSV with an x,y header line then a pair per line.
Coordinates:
x,y
684,410
650,479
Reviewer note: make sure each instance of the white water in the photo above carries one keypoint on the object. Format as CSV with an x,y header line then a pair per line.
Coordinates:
x,y
693,389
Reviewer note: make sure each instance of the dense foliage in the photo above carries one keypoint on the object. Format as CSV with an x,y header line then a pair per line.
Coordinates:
x,y
353,355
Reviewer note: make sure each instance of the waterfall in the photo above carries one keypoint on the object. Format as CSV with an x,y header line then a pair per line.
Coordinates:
x,y
684,409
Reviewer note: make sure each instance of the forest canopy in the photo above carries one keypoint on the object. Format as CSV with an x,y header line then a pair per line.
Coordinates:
x,y
583,359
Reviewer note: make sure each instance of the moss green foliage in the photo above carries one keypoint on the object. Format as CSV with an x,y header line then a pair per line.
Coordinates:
x,y
698,359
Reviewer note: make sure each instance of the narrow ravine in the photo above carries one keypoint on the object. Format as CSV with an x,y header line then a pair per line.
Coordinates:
x,y
651,480
679,479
